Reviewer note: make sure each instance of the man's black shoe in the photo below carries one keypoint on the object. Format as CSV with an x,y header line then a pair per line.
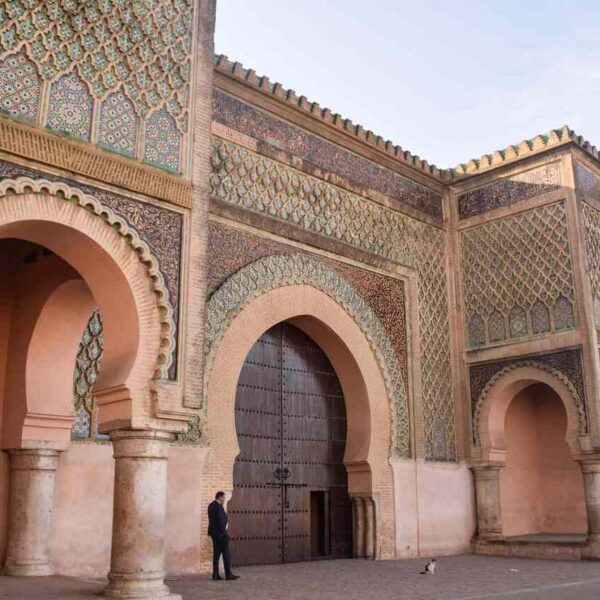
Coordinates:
x,y
232,577
217,578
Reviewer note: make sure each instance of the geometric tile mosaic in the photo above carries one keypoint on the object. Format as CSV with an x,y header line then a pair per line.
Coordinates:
x,y
70,107
118,124
517,275
134,49
255,182
20,87
163,141
87,367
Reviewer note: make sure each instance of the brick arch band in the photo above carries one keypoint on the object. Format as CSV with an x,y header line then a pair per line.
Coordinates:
x,y
515,377
39,199
277,271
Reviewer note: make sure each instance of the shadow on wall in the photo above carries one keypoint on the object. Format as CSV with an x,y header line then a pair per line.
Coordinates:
x,y
541,487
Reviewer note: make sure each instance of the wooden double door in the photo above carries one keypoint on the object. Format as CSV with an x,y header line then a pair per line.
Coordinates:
x,y
290,499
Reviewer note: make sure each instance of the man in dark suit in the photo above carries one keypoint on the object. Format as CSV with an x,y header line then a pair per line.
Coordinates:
x,y
217,530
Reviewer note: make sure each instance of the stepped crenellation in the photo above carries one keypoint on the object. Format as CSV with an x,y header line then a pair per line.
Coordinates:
x,y
542,142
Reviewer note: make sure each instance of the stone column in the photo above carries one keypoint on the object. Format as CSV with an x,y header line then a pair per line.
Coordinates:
x,y
358,526
487,491
591,482
369,528
31,502
137,566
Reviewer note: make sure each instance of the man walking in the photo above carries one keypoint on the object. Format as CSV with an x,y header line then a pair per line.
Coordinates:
x,y
217,530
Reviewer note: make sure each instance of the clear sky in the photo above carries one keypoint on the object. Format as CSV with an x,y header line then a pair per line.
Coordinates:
x,y
447,80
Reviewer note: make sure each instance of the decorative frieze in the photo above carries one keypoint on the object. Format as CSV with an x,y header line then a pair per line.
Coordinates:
x,y
259,184
87,52
268,129
272,272
517,276
510,190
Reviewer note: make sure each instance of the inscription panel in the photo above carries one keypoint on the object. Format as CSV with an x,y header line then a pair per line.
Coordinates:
x,y
510,190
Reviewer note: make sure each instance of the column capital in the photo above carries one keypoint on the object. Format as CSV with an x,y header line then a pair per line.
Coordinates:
x,y
589,464
141,443
33,459
487,469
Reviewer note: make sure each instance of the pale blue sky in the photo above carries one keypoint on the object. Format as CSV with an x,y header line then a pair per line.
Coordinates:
x,y
447,80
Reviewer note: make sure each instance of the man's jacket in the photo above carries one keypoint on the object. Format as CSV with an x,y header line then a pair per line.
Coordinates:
x,y
217,520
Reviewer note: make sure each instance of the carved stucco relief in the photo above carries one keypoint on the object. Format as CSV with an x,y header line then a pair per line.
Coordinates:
x,y
517,276
254,182
271,272
565,365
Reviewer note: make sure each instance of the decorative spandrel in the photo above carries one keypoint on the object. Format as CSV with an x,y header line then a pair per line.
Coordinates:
x,y
87,368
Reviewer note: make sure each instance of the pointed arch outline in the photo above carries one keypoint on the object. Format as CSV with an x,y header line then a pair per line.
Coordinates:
x,y
266,274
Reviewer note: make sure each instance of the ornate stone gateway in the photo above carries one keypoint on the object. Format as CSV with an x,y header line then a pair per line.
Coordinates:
x,y
290,498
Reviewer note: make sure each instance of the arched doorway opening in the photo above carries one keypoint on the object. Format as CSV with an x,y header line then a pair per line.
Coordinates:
x,y
367,404
62,255
290,497
541,485
530,489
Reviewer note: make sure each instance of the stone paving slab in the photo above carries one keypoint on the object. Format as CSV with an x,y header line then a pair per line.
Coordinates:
x,y
456,578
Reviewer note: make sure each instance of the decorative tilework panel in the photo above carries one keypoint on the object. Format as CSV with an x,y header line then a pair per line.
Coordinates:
x,y
510,190
162,145
266,128
591,219
70,107
567,363
118,125
20,87
262,185
87,368
540,318
159,227
588,183
514,264
231,249
517,322
142,45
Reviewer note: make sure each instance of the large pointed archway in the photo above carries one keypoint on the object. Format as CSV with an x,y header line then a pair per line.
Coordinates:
x,y
310,304
66,254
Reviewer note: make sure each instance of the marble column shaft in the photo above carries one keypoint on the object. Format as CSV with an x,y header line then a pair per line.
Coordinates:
x,y
140,498
487,491
31,504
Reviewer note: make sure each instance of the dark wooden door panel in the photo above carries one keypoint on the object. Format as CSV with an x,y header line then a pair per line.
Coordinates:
x,y
290,414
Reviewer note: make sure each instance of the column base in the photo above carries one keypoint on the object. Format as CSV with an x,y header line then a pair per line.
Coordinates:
x,y
33,570
130,587
591,551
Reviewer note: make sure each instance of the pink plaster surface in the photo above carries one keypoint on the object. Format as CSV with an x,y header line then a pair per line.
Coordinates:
x,y
435,508
83,502
541,487
185,508
81,534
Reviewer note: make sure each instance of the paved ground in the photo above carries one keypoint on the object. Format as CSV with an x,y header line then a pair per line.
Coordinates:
x,y
456,578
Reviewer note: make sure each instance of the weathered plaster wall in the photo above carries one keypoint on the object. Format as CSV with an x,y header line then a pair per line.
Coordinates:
x,y
541,485
81,536
5,319
435,508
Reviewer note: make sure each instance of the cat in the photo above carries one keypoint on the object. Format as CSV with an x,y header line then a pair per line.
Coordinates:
x,y
429,568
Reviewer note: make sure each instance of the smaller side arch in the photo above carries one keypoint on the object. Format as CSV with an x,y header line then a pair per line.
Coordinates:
x,y
492,405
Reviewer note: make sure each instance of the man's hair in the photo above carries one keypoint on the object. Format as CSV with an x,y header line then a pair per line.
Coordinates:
x,y
219,495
